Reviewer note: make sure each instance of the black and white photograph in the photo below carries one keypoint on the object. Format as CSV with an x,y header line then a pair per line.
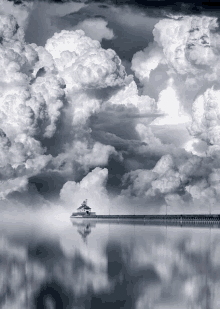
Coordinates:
x,y
109,154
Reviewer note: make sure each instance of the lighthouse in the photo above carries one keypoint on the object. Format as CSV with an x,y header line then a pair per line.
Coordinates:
x,y
84,210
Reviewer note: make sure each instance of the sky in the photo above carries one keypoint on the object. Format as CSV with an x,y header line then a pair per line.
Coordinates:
x,y
111,101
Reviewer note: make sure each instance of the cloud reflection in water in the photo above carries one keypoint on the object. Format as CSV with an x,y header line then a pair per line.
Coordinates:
x,y
125,266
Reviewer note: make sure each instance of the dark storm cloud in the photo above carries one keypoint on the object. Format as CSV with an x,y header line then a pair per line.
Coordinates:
x,y
155,8
158,8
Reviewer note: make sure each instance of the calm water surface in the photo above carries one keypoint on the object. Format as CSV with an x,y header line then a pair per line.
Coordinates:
x,y
109,266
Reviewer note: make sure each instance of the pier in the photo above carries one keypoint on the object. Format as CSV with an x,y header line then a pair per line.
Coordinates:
x,y
84,213
204,217
183,220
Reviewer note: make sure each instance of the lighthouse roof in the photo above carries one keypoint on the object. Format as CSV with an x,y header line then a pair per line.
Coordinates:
x,y
83,207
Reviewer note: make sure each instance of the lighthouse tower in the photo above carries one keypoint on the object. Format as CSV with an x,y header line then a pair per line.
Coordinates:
x,y
84,208
83,211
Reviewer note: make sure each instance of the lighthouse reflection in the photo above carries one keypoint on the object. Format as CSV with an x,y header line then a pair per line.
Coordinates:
x,y
84,230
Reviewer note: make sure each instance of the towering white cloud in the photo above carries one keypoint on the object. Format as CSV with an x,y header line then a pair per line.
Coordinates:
x,y
182,65
46,88
143,62
186,49
188,43
92,186
83,63
96,29
206,117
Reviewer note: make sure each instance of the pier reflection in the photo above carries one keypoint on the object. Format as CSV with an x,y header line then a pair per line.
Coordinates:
x,y
106,265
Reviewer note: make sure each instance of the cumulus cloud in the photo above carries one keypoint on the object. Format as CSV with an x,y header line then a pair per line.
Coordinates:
x,y
186,49
187,43
18,119
20,12
70,107
143,62
96,29
188,180
83,63
184,55
92,186
44,89
161,180
128,96
206,117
